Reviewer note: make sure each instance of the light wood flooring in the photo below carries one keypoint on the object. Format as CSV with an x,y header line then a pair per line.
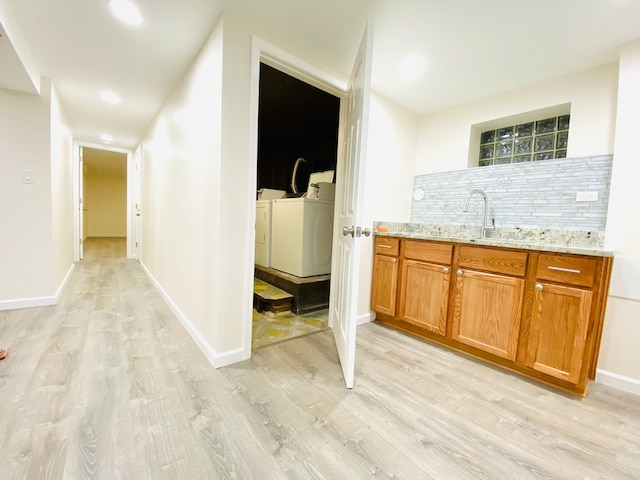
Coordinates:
x,y
108,385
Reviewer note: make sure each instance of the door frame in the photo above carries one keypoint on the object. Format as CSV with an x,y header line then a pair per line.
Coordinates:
x,y
131,227
267,53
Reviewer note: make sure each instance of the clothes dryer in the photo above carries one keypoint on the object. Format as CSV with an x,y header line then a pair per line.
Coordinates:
x,y
301,236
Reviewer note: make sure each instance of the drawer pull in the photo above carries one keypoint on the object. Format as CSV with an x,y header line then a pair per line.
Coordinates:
x,y
459,273
539,287
560,269
445,269
389,246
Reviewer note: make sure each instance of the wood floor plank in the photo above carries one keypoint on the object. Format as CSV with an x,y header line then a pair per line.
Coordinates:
x,y
108,385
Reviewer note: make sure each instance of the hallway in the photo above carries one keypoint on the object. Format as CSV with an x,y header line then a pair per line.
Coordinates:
x,y
108,385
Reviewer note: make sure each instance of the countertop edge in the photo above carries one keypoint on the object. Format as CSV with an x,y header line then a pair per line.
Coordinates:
x,y
499,242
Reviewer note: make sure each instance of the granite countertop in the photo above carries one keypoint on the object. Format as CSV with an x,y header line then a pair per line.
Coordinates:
x,y
560,241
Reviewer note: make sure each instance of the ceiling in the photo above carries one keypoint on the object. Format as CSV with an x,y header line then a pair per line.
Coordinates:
x,y
472,49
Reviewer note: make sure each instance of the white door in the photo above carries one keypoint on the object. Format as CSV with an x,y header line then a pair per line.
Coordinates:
x,y
81,205
137,221
346,258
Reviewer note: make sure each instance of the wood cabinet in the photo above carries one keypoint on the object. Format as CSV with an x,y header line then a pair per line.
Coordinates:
x,y
424,284
487,312
424,295
537,313
560,316
488,299
385,276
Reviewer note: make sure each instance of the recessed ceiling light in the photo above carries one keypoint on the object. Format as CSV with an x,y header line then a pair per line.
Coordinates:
x,y
110,97
125,11
106,138
412,66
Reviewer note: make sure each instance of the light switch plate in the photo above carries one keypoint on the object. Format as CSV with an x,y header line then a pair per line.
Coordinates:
x,y
27,176
587,197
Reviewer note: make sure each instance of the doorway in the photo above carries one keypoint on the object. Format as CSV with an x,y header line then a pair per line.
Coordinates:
x,y
104,195
106,207
297,137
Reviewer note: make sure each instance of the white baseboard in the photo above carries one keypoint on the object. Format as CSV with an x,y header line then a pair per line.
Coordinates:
x,y
627,384
216,359
366,318
27,303
38,301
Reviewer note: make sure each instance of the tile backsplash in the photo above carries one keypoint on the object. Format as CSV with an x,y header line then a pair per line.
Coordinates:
x,y
521,195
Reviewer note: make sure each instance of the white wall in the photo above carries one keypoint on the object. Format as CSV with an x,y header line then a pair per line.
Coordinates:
x,y
444,138
619,362
105,198
25,209
234,262
182,198
36,251
391,150
61,192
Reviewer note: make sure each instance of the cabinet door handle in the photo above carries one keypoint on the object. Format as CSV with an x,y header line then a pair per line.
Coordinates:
x,y
394,260
445,269
560,269
459,273
384,246
539,287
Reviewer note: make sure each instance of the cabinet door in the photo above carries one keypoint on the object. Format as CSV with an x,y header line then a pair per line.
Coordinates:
x,y
424,295
559,324
385,283
487,312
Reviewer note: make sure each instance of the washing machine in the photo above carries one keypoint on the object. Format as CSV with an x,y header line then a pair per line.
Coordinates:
x,y
301,236
263,232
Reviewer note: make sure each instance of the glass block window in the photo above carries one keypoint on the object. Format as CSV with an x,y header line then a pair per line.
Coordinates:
x,y
528,142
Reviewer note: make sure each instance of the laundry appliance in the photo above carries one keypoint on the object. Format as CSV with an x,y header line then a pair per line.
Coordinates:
x,y
301,236
263,233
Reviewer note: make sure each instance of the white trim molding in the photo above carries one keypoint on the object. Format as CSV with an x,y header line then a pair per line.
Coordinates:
x,y
76,173
216,359
366,318
38,301
269,54
627,384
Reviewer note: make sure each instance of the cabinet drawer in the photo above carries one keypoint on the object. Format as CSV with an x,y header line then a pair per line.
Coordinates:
x,y
387,246
427,251
564,269
493,260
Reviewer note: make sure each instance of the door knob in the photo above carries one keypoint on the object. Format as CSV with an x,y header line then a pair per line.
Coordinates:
x,y
355,231
349,231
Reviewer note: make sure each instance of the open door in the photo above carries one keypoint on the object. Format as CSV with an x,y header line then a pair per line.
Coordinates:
x,y
137,182
346,257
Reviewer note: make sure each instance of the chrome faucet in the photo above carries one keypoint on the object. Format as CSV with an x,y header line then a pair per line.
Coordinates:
x,y
483,232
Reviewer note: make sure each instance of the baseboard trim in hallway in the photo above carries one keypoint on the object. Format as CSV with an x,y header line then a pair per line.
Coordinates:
x,y
38,301
217,360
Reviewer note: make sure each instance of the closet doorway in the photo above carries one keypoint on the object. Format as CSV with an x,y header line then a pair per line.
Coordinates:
x,y
296,121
